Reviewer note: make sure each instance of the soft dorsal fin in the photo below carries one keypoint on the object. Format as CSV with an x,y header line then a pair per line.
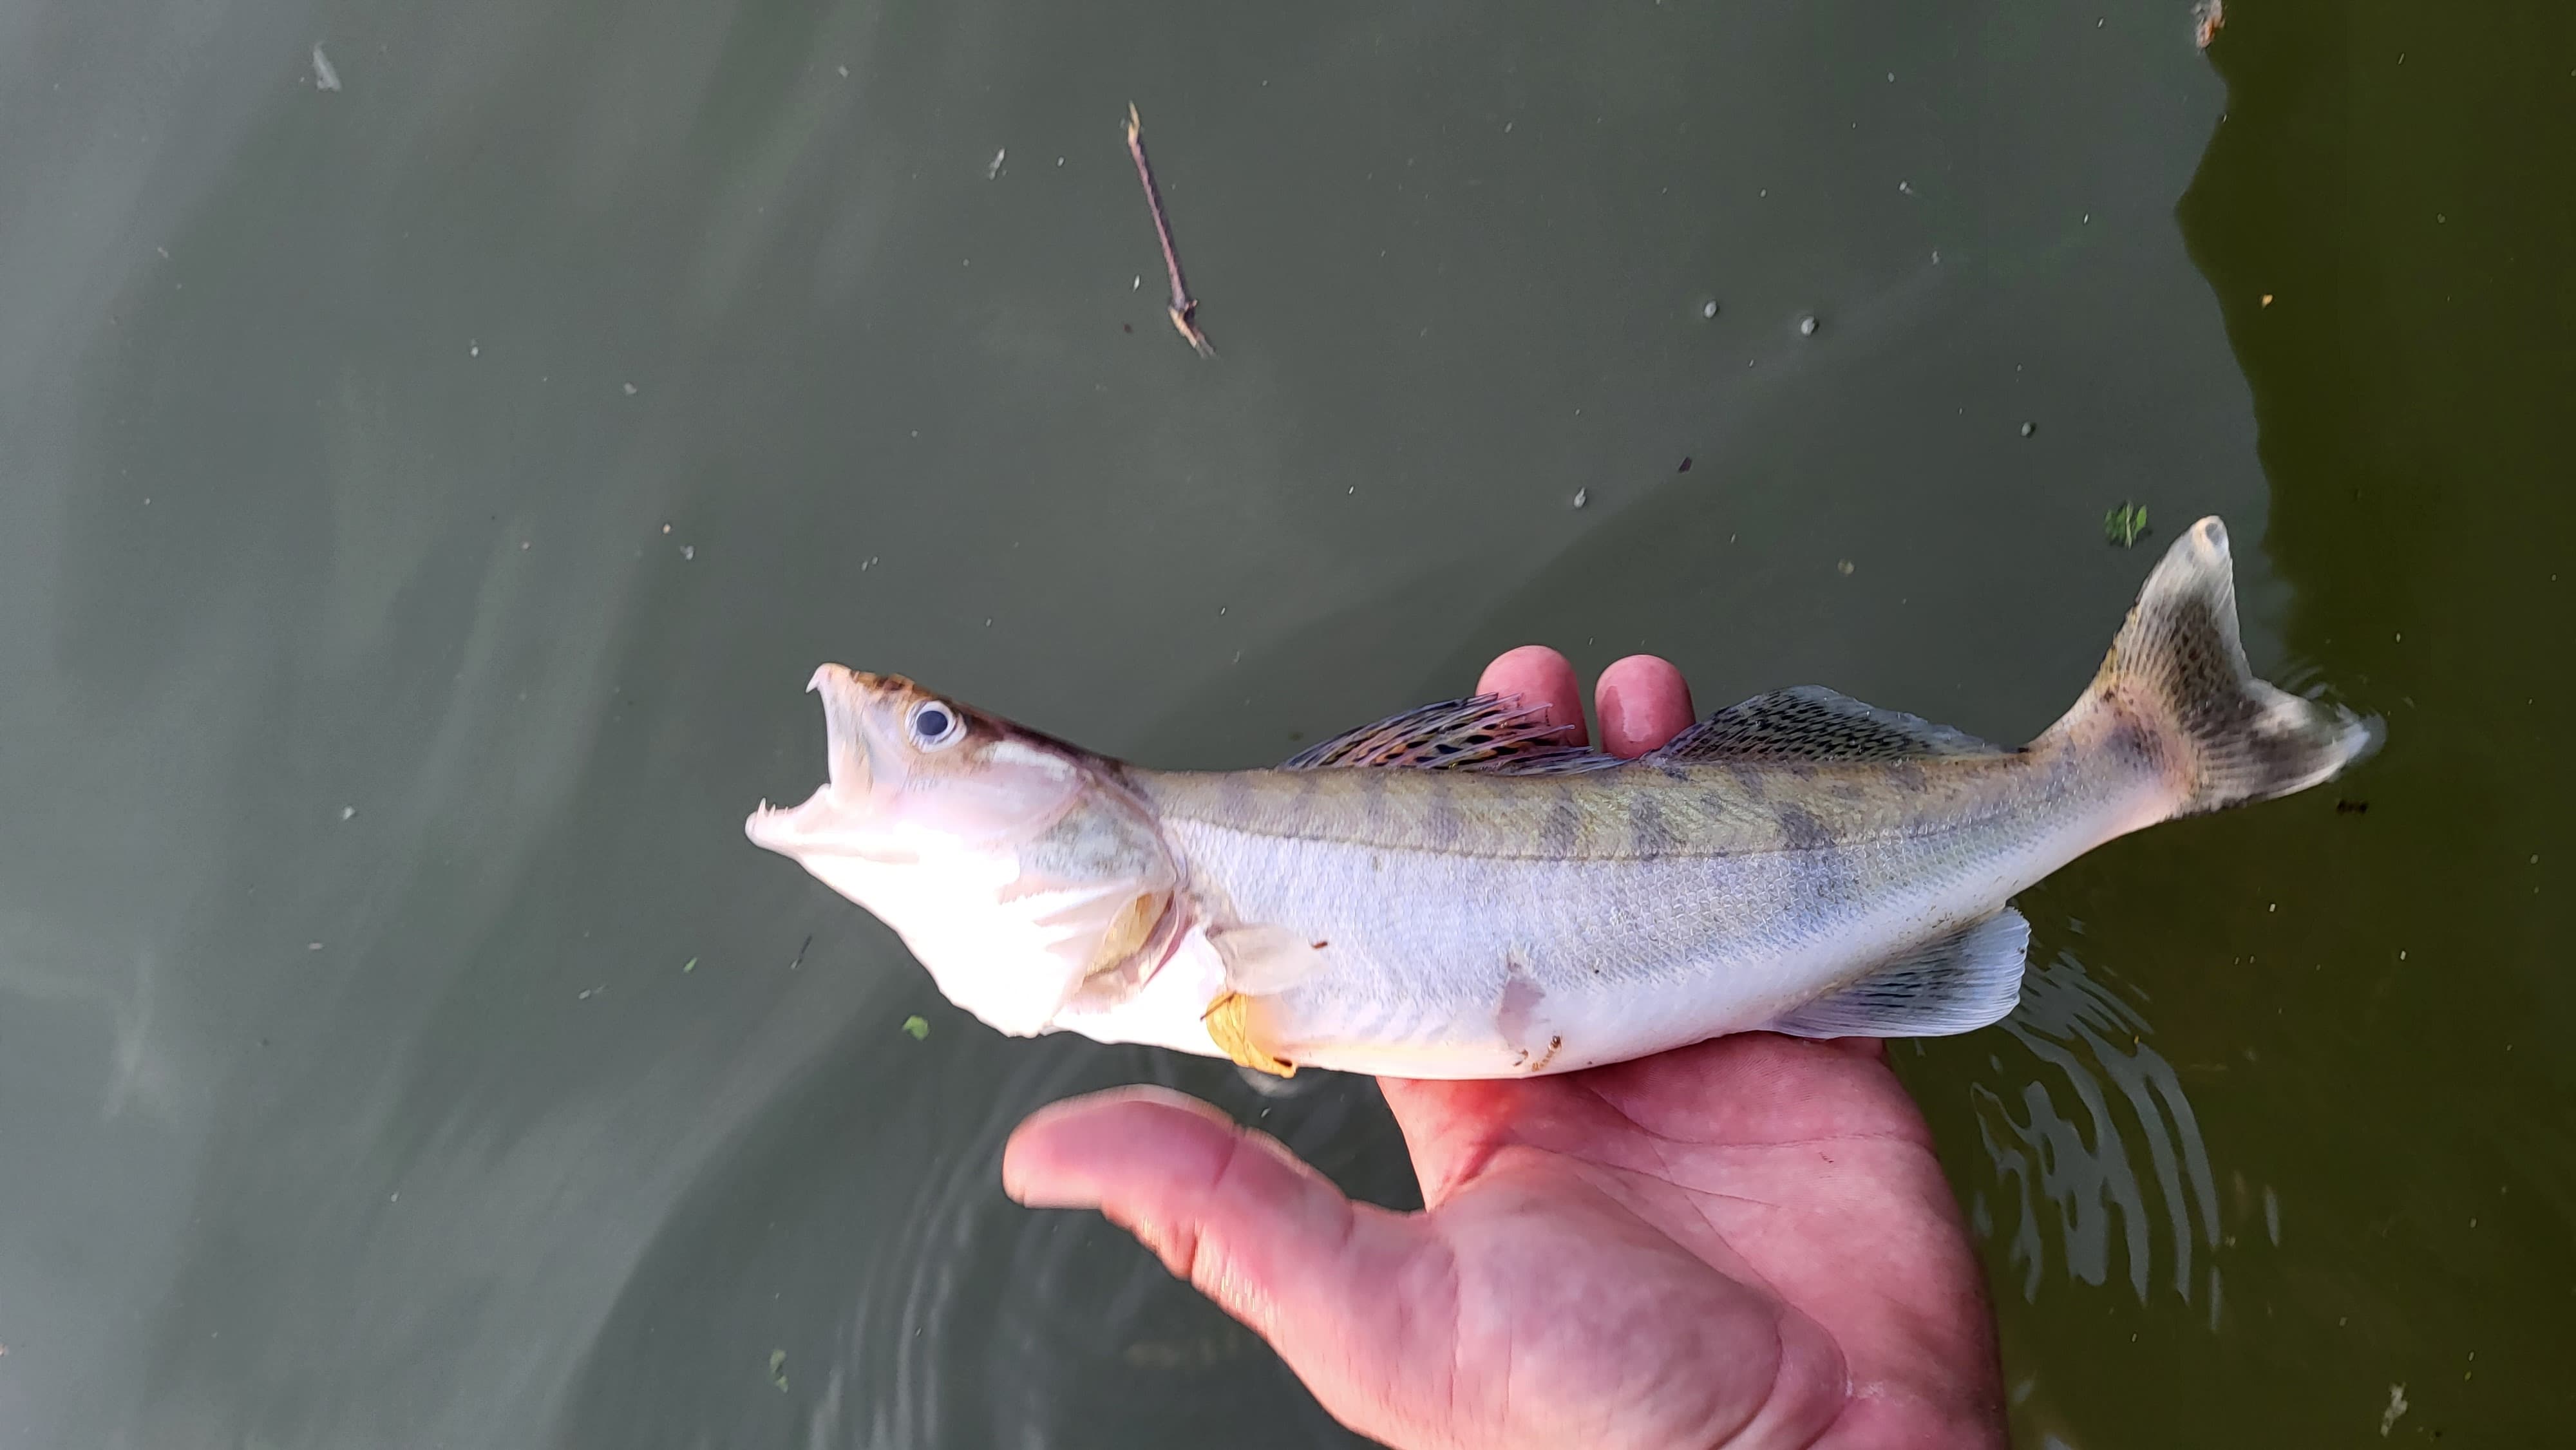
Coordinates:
x,y
1490,733
1810,722
1955,983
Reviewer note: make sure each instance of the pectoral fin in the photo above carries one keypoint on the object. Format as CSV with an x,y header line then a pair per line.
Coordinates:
x,y
1952,984
1260,960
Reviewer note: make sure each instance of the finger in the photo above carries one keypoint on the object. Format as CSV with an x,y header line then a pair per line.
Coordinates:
x,y
1543,680
1643,703
1233,1212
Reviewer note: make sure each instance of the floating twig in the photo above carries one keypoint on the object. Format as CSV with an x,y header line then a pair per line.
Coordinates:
x,y
1183,307
2207,19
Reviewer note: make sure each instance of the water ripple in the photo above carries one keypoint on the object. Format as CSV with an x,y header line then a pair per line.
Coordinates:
x,y
2064,1148
914,1304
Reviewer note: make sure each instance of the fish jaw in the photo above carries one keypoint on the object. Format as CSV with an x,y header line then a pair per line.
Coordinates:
x,y
1015,868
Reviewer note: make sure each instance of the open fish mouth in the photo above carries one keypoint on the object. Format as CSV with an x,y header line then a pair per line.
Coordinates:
x,y
835,818
847,700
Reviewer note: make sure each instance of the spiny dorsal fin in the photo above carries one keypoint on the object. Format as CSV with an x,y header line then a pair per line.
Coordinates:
x,y
1810,722
1959,982
1490,733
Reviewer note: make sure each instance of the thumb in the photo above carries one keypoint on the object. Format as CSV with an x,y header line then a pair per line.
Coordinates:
x,y
1236,1214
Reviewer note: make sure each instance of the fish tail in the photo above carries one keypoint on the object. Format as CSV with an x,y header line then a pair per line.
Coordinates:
x,y
2176,691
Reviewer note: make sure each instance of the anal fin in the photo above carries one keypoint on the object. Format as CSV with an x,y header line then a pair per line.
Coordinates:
x,y
1967,979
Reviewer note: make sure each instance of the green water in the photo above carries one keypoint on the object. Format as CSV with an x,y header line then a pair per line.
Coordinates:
x,y
423,500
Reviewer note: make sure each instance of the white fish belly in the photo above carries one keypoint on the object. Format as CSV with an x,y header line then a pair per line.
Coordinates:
x,y
1450,965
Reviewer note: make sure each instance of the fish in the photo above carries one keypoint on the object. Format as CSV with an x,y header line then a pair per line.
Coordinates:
x,y
1454,893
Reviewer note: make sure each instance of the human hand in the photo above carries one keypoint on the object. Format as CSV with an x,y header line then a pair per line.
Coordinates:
x,y
1743,1243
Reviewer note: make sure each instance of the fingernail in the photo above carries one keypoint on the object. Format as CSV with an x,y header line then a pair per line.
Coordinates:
x,y
1617,728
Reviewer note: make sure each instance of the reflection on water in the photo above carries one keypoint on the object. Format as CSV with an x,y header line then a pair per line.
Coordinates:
x,y
2097,1149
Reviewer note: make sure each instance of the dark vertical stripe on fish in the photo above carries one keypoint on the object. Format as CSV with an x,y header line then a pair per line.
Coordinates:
x,y
1561,829
1648,832
1441,823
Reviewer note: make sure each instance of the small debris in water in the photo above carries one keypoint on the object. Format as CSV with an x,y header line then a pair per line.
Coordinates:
x,y
995,169
1843,566
688,551
2207,19
919,1027
1708,308
1685,468
324,78
630,390
1807,326
2396,1407
1127,327
2028,429
473,348
844,70
688,966
2351,807
2267,299
778,1369
1582,496
348,811
313,946
590,993
1183,308
2125,524
1906,187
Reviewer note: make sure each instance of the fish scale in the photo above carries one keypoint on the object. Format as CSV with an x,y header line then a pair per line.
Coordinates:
x,y
1454,892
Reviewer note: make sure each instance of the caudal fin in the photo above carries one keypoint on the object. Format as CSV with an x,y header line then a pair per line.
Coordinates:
x,y
2177,677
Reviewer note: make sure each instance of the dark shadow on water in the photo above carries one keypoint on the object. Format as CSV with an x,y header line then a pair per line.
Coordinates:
x,y
2367,989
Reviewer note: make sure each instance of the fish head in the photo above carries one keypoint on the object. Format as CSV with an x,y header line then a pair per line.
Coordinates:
x,y
1013,865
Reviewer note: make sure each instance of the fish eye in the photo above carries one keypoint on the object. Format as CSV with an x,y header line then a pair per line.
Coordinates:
x,y
934,726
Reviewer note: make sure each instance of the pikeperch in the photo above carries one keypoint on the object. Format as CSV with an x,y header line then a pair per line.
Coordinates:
x,y
1446,894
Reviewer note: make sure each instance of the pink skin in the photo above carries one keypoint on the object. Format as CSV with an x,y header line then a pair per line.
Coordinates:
x,y
1743,1243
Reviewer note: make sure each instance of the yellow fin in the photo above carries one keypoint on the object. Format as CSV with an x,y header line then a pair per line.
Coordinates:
x,y
1229,1026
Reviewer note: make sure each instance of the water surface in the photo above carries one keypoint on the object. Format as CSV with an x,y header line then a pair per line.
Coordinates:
x,y
424,498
